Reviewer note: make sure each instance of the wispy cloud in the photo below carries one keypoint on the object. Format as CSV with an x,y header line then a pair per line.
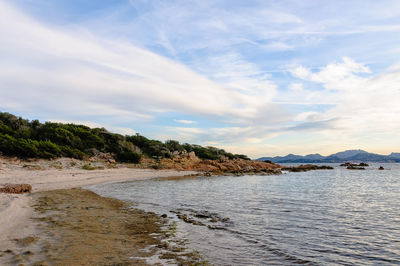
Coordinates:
x,y
368,104
75,72
182,121
261,76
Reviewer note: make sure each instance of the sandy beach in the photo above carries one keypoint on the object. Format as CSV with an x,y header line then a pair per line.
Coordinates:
x,y
16,211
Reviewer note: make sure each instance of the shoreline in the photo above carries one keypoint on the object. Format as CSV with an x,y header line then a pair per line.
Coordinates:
x,y
17,210
80,227
68,174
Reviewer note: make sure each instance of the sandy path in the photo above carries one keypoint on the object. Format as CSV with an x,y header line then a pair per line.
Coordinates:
x,y
16,210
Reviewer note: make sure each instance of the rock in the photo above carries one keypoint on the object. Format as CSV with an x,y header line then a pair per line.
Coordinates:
x,y
111,160
348,164
214,227
353,167
92,151
307,167
381,168
192,155
16,188
105,156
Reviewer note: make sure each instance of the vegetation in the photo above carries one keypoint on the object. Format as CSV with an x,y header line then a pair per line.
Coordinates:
x,y
91,167
32,139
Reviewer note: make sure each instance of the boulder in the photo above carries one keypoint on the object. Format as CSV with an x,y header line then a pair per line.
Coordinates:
x,y
16,188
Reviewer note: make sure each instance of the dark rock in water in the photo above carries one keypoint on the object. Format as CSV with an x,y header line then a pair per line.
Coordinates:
x,y
213,227
348,164
307,167
352,167
164,216
16,188
381,168
189,220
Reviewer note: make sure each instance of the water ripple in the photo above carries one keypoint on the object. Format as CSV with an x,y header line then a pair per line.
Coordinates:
x,y
316,218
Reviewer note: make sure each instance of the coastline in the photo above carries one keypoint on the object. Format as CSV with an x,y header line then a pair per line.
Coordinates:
x,y
17,211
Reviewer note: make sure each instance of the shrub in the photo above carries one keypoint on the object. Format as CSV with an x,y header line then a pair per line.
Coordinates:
x,y
19,137
91,167
49,150
129,157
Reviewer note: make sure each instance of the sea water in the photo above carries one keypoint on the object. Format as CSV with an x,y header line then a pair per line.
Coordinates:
x,y
319,217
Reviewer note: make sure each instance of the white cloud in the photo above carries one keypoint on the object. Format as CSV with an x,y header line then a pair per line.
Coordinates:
x,y
301,72
182,121
332,73
365,105
76,73
296,87
71,72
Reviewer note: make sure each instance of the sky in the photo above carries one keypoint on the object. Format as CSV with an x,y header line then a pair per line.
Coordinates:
x,y
263,78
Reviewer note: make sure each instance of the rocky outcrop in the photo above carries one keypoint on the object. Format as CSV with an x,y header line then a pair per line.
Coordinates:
x,y
348,164
353,167
189,161
307,167
16,188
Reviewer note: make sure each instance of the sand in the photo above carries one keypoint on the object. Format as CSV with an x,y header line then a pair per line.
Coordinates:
x,y
16,210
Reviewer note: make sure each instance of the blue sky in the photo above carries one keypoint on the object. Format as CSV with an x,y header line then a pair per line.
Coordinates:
x,y
253,77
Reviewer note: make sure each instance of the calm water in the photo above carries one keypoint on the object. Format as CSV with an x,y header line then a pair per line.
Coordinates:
x,y
319,217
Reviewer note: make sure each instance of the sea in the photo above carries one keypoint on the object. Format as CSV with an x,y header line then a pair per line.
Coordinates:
x,y
322,217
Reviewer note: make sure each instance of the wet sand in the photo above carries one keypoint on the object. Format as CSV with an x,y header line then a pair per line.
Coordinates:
x,y
31,225
79,227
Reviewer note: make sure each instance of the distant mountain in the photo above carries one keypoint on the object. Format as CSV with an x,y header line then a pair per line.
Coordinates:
x,y
314,157
340,157
395,155
348,153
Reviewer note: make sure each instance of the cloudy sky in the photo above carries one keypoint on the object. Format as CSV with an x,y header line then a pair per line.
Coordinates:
x,y
261,77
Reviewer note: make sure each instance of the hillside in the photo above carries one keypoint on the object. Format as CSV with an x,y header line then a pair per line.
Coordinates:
x,y
33,139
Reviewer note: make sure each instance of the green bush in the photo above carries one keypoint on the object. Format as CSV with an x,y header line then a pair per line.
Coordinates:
x,y
91,167
19,137
129,157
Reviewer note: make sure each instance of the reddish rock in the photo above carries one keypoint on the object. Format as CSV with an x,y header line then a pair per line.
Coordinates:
x,y
16,188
